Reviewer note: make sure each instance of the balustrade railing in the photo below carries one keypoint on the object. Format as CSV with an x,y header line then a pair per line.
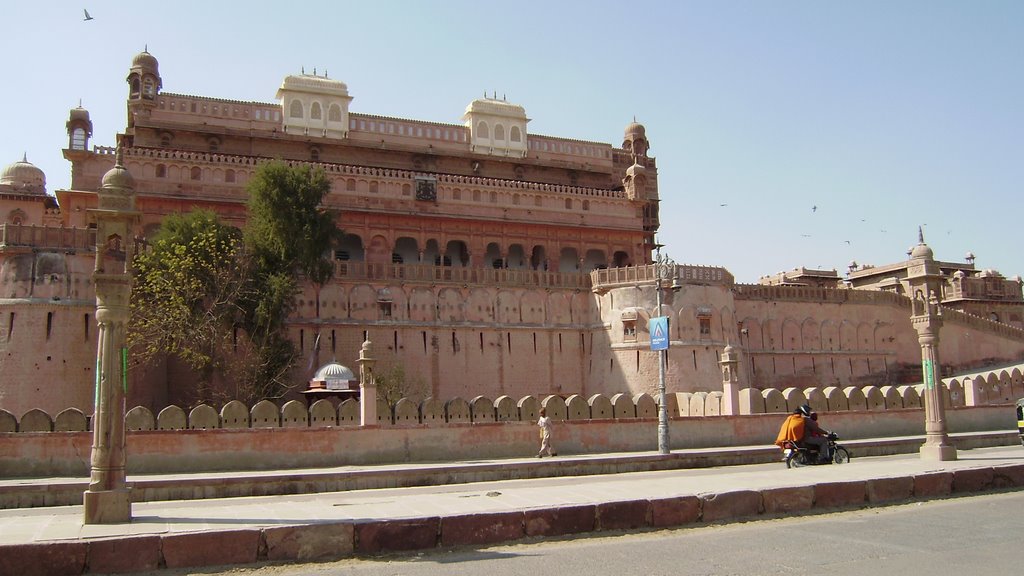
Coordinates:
x,y
357,270
47,237
686,274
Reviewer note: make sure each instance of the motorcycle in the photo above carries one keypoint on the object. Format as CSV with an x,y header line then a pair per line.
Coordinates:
x,y
796,455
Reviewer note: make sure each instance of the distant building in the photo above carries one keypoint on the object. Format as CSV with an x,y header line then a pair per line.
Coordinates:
x,y
480,258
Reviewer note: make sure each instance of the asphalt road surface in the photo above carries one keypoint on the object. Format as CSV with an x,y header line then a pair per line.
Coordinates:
x,y
976,535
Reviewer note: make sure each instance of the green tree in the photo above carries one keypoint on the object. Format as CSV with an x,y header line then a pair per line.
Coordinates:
x,y
218,298
188,285
291,236
287,226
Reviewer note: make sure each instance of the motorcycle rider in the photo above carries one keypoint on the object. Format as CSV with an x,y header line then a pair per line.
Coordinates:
x,y
800,428
815,435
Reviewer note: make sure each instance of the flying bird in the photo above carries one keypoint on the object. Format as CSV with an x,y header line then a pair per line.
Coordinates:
x,y
806,235
87,17
847,241
723,204
814,208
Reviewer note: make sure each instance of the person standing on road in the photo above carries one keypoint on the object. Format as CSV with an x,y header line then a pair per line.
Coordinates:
x,y
545,435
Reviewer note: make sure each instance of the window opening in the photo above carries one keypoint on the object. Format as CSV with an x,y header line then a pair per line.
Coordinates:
x,y
629,330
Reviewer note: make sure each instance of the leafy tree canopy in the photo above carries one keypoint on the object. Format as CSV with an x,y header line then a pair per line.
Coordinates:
x,y
218,298
287,227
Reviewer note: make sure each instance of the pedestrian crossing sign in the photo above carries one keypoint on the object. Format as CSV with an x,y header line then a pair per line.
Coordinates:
x,y
659,333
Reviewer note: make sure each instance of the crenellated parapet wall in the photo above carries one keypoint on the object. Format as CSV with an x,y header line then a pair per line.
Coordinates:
x,y
996,387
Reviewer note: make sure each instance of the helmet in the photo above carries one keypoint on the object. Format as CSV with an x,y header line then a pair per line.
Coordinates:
x,y
814,416
805,410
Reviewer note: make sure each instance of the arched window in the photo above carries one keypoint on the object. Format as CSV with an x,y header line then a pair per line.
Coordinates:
x,y
515,135
161,171
196,173
314,154
334,113
165,141
314,111
78,139
148,87
499,132
16,217
296,109
350,185
135,87
481,130
373,187
229,176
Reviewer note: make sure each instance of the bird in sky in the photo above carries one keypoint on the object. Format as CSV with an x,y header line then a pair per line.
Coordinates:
x,y
814,208
847,241
806,235
723,204
87,17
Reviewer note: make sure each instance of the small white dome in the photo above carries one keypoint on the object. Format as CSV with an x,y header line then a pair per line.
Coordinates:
x,y
334,371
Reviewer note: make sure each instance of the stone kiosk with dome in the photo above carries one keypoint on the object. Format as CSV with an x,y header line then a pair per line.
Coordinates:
x,y
333,380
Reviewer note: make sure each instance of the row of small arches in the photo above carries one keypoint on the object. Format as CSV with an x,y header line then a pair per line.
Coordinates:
x,y
993,388
294,413
297,110
514,134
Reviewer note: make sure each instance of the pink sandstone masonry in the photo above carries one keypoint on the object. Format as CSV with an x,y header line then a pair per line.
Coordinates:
x,y
178,451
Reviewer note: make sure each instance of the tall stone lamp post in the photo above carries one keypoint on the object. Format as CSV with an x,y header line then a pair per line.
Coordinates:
x,y
367,386
108,499
664,271
925,278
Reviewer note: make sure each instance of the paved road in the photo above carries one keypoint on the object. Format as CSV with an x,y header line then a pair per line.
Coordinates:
x,y
978,535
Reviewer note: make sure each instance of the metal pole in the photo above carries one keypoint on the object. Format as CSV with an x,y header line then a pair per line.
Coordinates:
x,y
663,444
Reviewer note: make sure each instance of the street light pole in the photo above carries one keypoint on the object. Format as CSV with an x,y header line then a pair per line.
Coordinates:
x,y
664,268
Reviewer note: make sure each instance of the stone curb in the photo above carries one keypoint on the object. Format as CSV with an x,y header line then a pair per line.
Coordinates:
x,y
334,540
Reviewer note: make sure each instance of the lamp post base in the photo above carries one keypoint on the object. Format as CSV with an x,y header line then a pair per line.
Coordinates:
x,y
108,506
938,452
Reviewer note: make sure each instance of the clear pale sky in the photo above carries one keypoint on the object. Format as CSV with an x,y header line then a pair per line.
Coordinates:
x,y
829,130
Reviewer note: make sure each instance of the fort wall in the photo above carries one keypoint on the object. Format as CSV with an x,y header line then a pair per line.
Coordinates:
x,y
183,451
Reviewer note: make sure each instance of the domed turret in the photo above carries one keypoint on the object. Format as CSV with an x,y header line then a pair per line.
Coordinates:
x,y
635,130
79,128
921,251
117,189
146,62
143,78
635,182
635,139
23,177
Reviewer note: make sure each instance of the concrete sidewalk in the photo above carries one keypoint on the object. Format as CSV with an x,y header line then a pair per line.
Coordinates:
x,y
39,492
303,527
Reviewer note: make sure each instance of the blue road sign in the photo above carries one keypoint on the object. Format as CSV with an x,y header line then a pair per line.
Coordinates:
x,y
659,333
